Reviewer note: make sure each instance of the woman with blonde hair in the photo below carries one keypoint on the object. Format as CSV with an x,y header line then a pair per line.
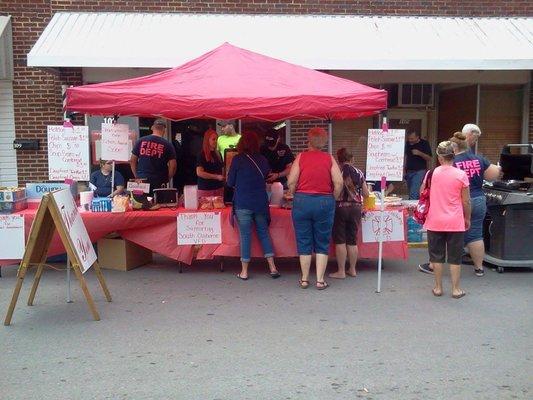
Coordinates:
x,y
448,217
316,181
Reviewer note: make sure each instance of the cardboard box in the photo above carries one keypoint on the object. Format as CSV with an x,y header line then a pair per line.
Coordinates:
x,y
122,255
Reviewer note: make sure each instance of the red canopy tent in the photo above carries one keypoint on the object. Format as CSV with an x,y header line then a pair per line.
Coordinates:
x,y
231,83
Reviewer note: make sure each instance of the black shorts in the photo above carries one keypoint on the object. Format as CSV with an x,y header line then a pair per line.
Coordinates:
x,y
442,244
346,224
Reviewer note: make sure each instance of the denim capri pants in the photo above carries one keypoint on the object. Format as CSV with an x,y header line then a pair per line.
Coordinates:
x,y
312,217
479,209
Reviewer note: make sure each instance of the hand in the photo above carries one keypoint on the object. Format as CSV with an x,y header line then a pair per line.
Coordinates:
x,y
220,178
467,224
416,152
272,177
138,180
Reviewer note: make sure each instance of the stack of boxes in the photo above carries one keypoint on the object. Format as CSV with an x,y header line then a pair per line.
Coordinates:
x,y
12,200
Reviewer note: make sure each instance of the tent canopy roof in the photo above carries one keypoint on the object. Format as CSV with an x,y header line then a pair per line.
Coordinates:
x,y
230,82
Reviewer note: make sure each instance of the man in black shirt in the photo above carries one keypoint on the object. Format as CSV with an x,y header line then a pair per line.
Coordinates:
x,y
153,157
417,157
279,157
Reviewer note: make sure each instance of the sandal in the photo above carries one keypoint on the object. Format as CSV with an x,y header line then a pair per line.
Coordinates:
x,y
323,285
303,284
479,271
458,296
435,293
275,275
241,278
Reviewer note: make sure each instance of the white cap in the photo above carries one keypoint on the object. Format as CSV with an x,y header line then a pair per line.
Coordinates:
x,y
471,128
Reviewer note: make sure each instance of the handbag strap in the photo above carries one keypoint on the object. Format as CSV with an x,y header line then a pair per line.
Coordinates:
x,y
429,175
257,166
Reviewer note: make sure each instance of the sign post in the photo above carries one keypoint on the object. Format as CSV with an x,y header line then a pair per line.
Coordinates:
x,y
58,211
385,156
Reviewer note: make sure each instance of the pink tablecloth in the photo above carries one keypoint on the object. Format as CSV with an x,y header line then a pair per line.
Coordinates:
x,y
156,230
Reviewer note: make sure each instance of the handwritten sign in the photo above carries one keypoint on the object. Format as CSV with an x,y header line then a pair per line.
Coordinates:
x,y
132,185
11,237
393,228
385,154
116,144
199,228
68,153
81,243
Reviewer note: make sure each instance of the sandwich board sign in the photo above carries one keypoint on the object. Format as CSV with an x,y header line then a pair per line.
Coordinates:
x,y
58,211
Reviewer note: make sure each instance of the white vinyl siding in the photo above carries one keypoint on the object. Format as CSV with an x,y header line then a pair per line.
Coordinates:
x,y
8,157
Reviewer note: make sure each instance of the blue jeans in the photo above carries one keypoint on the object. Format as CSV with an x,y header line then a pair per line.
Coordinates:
x,y
414,181
244,220
312,217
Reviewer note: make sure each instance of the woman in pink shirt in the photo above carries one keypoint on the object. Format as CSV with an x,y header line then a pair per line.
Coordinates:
x,y
448,218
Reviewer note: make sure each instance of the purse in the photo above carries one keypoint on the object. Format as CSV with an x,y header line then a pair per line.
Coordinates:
x,y
422,207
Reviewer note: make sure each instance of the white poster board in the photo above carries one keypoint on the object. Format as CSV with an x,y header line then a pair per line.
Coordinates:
x,y
385,154
68,153
115,142
81,243
199,228
393,228
11,237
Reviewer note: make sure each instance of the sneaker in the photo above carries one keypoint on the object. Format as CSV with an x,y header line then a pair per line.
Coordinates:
x,y
479,272
426,268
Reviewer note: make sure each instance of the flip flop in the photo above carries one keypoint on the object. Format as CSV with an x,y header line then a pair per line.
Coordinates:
x,y
435,293
303,284
324,285
275,275
458,296
241,278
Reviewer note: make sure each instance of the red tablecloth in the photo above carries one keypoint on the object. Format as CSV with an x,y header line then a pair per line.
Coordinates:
x,y
156,230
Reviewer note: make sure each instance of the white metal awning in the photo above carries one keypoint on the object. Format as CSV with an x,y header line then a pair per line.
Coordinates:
x,y
127,40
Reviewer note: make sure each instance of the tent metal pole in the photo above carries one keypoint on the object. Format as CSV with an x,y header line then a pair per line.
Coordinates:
x,y
330,137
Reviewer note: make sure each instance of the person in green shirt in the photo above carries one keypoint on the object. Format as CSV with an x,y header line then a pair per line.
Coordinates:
x,y
229,137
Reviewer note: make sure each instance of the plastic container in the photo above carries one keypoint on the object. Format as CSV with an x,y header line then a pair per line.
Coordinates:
x,y
101,204
190,195
369,203
414,231
276,199
86,199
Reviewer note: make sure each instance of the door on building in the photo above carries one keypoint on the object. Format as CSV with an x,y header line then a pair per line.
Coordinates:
x,y
457,106
410,120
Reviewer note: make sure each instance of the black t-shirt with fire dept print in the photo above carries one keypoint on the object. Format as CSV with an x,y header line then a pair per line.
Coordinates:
x,y
154,153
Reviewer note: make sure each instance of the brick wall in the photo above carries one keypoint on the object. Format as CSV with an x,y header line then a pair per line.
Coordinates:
x,y
299,133
434,7
38,92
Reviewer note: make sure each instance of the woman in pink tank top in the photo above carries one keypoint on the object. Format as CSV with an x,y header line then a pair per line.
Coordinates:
x,y
316,181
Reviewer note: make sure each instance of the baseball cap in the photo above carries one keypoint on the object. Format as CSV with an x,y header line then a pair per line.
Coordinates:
x,y
160,122
271,137
224,122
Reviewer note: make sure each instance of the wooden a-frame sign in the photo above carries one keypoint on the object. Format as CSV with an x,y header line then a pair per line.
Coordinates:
x,y
47,220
